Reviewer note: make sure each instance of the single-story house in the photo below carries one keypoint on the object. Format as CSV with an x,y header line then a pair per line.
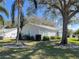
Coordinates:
x,y
32,27
37,25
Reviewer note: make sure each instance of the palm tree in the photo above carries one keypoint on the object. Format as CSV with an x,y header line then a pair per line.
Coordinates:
x,y
14,7
18,4
2,9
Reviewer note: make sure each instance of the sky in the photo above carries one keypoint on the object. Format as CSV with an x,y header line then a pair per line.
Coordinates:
x,y
8,5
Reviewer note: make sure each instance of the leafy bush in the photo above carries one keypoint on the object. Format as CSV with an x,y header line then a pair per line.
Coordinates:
x,y
38,37
45,38
52,37
58,37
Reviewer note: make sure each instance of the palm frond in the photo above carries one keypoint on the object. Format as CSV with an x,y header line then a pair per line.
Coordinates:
x,y
13,11
1,20
1,1
2,9
14,8
35,3
22,3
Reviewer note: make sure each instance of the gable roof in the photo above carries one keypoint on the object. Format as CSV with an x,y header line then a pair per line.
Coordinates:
x,y
39,20
45,27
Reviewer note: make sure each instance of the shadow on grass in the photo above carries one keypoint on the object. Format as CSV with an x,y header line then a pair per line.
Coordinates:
x,y
13,53
41,50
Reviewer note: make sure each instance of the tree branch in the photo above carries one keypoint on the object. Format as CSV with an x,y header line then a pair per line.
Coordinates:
x,y
57,7
71,2
70,16
64,1
61,3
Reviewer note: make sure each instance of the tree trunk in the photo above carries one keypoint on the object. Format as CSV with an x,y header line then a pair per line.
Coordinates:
x,y
64,33
18,26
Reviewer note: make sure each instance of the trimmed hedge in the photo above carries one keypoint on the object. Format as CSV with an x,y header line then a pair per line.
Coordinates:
x,y
57,37
45,38
52,37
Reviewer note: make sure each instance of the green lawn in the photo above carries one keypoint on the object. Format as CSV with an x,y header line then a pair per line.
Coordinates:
x,y
39,50
73,41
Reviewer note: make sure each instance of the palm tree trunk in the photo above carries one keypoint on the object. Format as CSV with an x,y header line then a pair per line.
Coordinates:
x,y
64,34
18,25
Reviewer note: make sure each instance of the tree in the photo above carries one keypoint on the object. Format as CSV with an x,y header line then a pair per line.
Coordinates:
x,y
69,32
2,9
77,33
18,4
67,8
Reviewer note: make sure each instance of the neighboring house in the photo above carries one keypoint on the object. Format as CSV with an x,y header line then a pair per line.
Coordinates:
x,y
10,33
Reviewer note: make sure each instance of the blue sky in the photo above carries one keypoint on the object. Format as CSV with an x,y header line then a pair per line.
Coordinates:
x,y
8,4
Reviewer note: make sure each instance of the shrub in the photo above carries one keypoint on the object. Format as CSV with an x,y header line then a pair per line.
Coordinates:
x,y
58,37
52,37
38,37
45,38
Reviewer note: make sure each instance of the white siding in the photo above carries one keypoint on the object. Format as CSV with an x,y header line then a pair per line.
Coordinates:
x,y
32,30
10,33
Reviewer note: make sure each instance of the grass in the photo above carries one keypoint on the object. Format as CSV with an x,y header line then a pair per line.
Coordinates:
x,y
7,40
39,50
73,41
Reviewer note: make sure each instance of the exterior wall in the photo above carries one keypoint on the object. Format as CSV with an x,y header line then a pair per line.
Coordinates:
x,y
10,33
29,29
33,30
